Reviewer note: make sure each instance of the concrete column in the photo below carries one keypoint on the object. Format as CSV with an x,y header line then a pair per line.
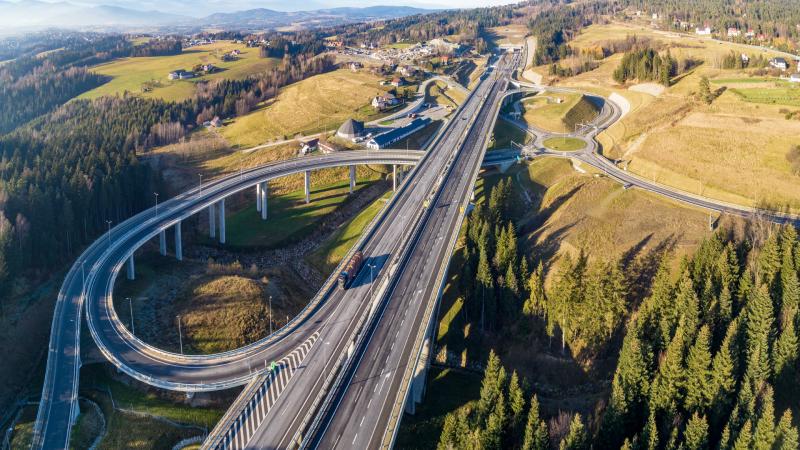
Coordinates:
x,y
222,221
212,221
352,178
162,242
417,387
178,242
131,269
308,186
258,197
264,188
394,177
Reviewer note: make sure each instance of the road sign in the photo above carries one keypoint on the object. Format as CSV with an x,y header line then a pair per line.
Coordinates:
x,y
272,366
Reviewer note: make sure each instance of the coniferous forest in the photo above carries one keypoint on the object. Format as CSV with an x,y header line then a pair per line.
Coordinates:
x,y
702,357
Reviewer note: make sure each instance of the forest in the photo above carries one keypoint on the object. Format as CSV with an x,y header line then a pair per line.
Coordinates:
x,y
645,64
704,351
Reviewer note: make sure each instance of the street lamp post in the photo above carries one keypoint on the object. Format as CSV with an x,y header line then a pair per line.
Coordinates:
x,y
371,279
108,222
180,335
270,314
201,183
130,305
156,194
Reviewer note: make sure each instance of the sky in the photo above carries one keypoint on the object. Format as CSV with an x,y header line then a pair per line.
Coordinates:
x,y
317,4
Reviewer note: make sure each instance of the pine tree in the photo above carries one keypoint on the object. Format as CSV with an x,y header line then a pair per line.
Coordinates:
x,y
536,437
785,352
769,260
745,438
723,370
699,382
516,400
764,435
650,433
705,90
790,287
492,435
786,433
576,439
669,380
696,434
494,378
631,384
485,289
687,301
536,302
758,333
724,308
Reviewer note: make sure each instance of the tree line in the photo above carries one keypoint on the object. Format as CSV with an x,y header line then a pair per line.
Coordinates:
x,y
646,64
158,47
504,418
707,350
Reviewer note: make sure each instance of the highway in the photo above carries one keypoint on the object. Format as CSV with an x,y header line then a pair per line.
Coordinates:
x,y
96,271
344,364
366,409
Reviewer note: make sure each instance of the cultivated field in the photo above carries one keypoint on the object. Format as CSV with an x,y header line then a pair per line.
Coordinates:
x,y
147,76
732,150
315,104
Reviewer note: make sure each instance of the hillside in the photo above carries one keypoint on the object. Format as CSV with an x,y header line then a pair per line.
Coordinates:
x,y
558,112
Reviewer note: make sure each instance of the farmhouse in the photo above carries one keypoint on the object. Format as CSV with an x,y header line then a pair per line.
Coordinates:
x,y
398,81
350,129
734,32
779,63
705,31
180,74
794,78
385,101
388,138
309,146
407,71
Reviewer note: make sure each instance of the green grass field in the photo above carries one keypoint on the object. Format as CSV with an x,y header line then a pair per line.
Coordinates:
x,y
504,133
786,94
147,76
564,144
327,256
319,103
290,218
558,112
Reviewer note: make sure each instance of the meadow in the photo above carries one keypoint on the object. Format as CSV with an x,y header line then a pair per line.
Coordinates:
x,y
675,139
147,76
559,112
319,103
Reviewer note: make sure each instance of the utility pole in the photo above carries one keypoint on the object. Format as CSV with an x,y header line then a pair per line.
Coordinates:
x,y
130,305
180,335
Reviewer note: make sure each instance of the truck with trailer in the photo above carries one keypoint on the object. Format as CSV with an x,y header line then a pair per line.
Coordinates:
x,y
351,270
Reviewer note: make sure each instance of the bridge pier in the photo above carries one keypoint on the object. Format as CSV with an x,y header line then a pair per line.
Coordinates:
x,y
222,221
263,189
212,221
308,185
131,269
394,177
178,242
417,388
352,178
162,242
258,197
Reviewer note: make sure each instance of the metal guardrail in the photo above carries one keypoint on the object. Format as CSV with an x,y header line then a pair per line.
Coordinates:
x,y
403,392
335,378
61,303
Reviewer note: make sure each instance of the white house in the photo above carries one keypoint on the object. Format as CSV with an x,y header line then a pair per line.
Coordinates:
x,y
703,31
794,78
779,63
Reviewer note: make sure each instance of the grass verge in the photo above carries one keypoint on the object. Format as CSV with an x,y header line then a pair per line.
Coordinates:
x,y
564,144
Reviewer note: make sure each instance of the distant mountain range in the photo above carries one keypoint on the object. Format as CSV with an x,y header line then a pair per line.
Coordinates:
x,y
37,14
